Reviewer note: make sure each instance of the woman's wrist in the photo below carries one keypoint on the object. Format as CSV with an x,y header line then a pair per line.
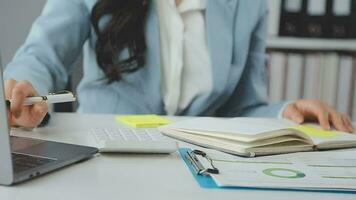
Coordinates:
x,y
283,108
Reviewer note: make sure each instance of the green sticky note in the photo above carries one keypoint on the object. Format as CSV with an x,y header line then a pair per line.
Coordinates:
x,y
143,121
314,131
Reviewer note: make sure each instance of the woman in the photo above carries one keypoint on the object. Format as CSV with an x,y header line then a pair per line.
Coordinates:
x,y
168,57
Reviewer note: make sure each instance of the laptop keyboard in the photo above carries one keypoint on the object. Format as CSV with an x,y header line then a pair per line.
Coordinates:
x,y
127,134
22,162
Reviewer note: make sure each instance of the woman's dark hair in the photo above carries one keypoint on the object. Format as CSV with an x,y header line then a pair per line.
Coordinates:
x,y
123,30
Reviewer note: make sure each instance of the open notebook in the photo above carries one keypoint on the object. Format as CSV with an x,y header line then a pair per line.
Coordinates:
x,y
252,137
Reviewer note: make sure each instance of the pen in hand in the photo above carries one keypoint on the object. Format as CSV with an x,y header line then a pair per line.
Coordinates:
x,y
50,99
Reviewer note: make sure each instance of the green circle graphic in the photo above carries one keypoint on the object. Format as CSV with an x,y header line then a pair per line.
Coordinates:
x,y
271,172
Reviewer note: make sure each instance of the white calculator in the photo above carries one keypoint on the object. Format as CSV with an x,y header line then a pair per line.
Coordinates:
x,y
132,140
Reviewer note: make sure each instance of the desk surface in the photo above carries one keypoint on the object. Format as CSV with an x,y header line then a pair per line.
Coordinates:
x,y
122,176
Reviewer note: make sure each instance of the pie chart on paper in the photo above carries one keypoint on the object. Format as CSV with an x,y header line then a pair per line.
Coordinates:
x,y
284,173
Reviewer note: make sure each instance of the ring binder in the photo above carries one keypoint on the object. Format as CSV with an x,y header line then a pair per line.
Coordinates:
x,y
198,166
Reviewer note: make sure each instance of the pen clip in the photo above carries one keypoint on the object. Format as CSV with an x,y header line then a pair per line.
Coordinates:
x,y
62,92
65,92
198,166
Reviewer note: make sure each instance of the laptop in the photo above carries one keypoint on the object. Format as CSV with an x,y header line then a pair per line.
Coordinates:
x,y
22,159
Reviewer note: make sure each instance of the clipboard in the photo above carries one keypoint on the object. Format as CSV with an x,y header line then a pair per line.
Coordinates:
x,y
207,182
204,181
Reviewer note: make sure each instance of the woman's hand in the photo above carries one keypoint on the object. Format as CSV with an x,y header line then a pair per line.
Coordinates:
x,y
315,110
19,115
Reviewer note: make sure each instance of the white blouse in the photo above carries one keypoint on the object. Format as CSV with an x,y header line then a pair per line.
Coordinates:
x,y
186,66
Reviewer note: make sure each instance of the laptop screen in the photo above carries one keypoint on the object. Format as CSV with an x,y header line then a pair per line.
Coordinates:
x,y
6,170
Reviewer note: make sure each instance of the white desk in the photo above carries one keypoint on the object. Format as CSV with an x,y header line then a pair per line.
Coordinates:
x,y
119,176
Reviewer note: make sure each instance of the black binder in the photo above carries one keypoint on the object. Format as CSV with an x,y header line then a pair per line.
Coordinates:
x,y
315,25
352,22
340,25
326,25
291,21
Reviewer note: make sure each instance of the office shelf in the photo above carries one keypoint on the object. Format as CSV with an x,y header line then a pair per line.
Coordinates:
x,y
311,44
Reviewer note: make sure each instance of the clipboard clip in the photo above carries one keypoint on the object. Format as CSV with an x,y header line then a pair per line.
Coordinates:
x,y
192,156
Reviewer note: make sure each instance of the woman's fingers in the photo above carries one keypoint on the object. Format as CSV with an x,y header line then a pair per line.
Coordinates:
x,y
39,111
20,91
19,115
348,123
293,114
32,116
313,108
9,86
337,120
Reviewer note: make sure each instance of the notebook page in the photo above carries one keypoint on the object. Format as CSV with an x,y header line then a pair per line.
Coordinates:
x,y
243,129
323,138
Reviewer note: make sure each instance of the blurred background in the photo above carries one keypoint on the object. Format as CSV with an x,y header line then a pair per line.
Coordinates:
x,y
16,18
311,47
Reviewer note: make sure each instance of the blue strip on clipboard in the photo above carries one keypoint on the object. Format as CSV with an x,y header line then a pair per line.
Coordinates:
x,y
204,181
208,182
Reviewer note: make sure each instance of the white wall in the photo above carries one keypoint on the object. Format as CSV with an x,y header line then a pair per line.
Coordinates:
x,y
16,17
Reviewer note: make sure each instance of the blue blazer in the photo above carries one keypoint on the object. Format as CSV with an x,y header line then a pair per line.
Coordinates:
x,y
236,32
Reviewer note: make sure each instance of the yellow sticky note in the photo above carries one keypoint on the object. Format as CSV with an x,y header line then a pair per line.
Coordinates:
x,y
314,131
143,121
